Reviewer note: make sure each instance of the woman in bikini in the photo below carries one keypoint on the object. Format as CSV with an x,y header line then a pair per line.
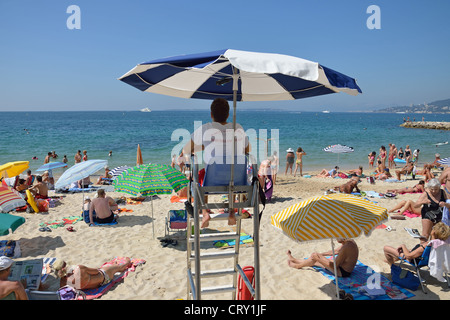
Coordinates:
x,y
418,188
81,277
382,155
298,162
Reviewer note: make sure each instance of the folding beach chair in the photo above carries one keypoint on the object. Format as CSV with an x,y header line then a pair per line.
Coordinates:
x,y
176,220
42,295
423,261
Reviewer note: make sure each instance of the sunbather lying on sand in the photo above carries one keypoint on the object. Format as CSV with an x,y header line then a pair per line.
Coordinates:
x,y
332,173
81,277
420,187
349,186
404,205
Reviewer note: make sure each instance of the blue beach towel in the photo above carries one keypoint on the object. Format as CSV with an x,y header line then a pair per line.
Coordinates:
x,y
363,276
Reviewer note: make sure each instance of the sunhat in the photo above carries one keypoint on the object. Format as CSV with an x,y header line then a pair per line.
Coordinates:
x,y
290,150
5,263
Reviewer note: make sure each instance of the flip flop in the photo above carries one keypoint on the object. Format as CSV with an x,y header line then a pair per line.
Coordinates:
x,y
43,229
70,229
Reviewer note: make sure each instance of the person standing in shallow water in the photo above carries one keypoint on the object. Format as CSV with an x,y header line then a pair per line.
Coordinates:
x,y
290,158
299,161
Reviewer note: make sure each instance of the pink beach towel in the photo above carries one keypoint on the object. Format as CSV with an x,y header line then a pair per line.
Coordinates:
x,y
410,214
98,292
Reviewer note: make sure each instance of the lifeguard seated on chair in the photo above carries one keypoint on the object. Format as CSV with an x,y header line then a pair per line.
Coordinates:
x,y
216,140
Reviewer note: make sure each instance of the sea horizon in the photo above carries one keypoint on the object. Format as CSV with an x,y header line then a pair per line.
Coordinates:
x,y
160,132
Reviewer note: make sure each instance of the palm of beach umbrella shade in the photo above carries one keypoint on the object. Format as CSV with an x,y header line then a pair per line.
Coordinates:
x,y
9,221
51,166
12,169
328,217
80,171
150,179
9,200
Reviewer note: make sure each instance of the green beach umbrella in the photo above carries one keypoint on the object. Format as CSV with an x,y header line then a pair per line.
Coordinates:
x,y
150,179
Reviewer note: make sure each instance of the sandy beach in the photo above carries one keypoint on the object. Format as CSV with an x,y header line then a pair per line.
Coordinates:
x,y
163,276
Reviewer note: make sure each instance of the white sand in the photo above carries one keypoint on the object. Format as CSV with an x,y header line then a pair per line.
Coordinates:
x,y
164,274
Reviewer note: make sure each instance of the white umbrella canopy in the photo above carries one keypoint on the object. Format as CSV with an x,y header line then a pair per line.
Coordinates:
x,y
80,171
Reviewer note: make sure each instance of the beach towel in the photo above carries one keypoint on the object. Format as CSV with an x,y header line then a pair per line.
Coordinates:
x,y
365,284
98,292
243,239
61,223
410,214
175,199
10,248
46,268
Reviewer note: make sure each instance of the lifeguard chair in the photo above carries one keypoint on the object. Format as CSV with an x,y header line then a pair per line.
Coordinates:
x,y
237,179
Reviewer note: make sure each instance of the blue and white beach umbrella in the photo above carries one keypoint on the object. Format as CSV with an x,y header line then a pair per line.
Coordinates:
x,y
80,171
445,161
337,148
51,166
252,76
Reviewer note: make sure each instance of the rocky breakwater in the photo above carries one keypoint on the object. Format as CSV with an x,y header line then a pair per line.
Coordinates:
x,y
426,125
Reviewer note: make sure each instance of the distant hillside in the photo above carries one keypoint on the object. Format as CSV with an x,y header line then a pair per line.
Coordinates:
x,y
440,106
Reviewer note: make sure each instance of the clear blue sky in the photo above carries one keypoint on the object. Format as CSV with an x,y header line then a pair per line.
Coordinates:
x,y
46,66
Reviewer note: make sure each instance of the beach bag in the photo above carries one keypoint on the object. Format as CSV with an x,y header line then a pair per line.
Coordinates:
x,y
42,205
404,278
70,293
243,293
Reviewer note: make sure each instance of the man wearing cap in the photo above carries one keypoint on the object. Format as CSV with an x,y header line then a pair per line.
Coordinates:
x,y
10,290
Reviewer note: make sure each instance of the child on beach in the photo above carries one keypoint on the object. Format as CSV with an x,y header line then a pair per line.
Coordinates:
x,y
371,157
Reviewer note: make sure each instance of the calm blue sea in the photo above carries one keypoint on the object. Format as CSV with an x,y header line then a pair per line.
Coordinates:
x,y
28,134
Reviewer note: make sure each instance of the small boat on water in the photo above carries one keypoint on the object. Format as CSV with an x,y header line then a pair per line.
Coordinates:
x,y
146,110
325,111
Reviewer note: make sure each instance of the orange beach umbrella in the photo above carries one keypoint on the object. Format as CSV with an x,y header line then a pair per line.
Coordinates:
x,y
139,160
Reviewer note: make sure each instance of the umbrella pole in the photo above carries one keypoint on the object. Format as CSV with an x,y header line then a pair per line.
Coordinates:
x,y
335,269
153,220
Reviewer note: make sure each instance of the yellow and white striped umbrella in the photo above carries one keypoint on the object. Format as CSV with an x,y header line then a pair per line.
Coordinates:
x,y
329,216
